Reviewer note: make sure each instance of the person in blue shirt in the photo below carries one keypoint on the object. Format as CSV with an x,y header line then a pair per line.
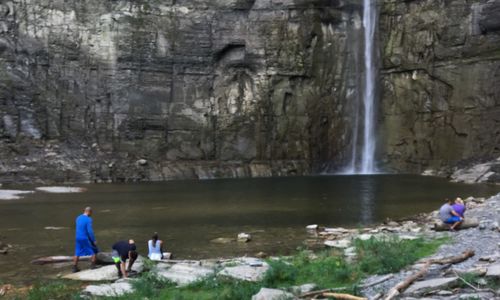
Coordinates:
x,y
85,243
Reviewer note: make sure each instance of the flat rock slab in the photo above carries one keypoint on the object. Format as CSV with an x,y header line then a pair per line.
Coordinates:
x,y
184,274
342,244
106,273
119,288
272,294
431,284
493,271
246,272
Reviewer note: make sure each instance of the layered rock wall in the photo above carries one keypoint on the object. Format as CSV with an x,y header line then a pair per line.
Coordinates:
x,y
151,90
440,101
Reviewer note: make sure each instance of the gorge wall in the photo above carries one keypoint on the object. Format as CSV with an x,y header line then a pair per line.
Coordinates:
x,y
440,91
152,90
126,90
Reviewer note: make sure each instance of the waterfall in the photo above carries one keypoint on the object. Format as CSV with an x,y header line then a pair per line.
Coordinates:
x,y
363,152
369,25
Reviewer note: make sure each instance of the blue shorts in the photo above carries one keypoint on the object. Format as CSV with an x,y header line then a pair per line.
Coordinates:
x,y
85,248
452,220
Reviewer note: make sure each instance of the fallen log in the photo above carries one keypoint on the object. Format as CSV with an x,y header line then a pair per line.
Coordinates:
x,y
468,223
320,292
403,285
453,259
103,258
343,296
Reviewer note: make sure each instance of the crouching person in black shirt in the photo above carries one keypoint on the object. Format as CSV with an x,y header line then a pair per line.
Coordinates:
x,y
122,251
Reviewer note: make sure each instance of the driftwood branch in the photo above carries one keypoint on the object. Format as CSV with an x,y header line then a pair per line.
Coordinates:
x,y
468,223
321,292
343,296
453,259
403,285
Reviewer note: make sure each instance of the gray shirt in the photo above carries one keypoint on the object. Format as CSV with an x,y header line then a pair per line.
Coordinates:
x,y
445,212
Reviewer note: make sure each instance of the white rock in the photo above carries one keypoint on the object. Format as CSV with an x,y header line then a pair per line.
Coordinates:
x,y
312,227
184,274
142,162
12,194
247,273
116,289
338,244
106,273
431,284
61,189
244,237
272,294
305,288
365,236
493,271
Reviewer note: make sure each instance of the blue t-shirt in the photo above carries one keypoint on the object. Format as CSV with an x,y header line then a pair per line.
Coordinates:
x,y
84,229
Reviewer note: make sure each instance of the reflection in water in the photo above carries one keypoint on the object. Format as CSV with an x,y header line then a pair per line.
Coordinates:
x,y
367,195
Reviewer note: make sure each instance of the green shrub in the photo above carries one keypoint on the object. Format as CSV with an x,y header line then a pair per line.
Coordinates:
x,y
381,256
279,274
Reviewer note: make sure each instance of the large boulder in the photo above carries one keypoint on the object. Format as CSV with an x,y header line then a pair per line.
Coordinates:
x,y
183,274
116,289
252,269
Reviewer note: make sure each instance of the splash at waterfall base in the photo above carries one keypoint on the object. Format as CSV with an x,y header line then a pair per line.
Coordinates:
x,y
349,265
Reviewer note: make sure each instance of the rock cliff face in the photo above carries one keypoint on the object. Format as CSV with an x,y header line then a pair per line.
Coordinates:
x,y
151,90
440,102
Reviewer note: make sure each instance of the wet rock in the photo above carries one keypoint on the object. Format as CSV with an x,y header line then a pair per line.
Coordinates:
x,y
183,274
61,189
141,162
431,284
272,294
222,240
13,194
116,289
244,237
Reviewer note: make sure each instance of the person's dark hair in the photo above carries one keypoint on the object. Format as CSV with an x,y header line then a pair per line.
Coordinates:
x,y
155,238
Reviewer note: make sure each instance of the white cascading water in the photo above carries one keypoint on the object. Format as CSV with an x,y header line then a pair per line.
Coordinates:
x,y
368,149
363,157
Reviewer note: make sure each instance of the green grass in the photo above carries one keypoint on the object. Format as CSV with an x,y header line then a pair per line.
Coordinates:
x,y
391,255
53,290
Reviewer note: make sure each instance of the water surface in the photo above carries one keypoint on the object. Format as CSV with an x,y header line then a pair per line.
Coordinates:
x,y
188,214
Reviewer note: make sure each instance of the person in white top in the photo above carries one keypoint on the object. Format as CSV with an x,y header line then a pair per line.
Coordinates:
x,y
155,248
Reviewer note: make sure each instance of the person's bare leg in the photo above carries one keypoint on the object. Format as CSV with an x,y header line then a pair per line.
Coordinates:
x,y
75,264
130,264
455,225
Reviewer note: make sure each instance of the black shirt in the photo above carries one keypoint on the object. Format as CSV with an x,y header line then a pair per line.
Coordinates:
x,y
123,247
